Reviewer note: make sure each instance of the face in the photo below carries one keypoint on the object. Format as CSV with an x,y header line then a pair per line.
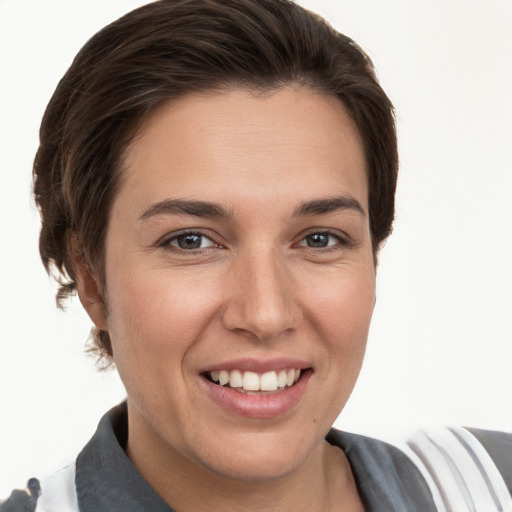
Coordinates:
x,y
238,252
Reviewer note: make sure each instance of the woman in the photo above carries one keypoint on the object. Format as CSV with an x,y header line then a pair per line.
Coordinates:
x,y
215,181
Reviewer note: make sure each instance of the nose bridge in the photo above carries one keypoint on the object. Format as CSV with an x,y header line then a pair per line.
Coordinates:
x,y
262,302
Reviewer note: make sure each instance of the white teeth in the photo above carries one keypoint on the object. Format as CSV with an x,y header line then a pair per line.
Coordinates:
x,y
223,377
281,379
251,381
236,379
268,381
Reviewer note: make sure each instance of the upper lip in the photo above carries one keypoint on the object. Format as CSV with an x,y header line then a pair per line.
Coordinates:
x,y
258,365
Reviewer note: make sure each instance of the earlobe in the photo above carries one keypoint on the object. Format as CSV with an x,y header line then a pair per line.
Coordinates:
x,y
89,293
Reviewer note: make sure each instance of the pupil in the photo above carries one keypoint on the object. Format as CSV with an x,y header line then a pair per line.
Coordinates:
x,y
189,241
318,240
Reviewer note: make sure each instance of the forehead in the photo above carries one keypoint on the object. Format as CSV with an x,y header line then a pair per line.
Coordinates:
x,y
254,144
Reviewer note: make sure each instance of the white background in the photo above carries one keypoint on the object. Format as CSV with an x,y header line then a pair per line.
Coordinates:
x,y
440,346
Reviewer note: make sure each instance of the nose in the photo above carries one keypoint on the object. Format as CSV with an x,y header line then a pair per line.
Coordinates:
x,y
262,300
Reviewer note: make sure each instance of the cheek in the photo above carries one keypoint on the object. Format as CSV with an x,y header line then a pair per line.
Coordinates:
x,y
341,312
155,317
345,302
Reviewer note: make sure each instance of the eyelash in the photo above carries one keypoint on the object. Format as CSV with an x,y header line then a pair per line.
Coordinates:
x,y
168,242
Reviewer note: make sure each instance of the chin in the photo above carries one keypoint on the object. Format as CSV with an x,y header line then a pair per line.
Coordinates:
x,y
262,456
256,469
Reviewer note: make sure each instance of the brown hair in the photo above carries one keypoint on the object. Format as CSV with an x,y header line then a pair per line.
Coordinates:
x,y
168,48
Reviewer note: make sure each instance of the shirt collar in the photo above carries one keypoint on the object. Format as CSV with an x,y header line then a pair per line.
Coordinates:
x,y
106,479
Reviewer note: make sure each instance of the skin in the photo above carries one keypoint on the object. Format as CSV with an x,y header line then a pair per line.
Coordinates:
x,y
254,288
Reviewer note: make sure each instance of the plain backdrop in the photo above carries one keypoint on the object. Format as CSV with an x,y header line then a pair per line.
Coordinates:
x,y
440,346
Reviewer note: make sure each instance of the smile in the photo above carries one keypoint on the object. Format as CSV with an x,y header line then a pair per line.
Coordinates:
x,y
257,388
249,381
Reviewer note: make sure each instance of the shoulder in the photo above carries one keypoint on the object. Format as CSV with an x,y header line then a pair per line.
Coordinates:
x,y
499,446
386,476
448,468
468,469
58,492
23,500
55,494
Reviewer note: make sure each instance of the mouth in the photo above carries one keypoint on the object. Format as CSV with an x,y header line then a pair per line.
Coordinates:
x,y
254,383
257,388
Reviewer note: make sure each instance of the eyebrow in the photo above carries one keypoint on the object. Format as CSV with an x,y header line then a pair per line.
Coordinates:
x,y
207,209
180,206
328,205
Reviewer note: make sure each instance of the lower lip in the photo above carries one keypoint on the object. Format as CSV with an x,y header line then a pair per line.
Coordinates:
x,y
259,406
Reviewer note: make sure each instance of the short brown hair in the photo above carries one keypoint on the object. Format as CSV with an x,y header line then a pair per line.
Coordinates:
x,y
169,48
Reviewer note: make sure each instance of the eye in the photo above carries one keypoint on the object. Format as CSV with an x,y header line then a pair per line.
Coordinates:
x,y
320,240
189,241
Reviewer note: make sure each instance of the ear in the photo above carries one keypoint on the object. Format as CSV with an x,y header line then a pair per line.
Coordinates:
x,y
90,296
89,291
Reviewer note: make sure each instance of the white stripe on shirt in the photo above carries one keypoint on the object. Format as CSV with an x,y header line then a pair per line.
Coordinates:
x,y
58,492
462,471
